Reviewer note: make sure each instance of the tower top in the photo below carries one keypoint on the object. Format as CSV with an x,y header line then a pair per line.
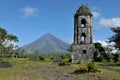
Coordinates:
x,y
83,10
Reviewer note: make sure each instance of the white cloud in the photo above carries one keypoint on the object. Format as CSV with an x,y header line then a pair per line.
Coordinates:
x,y
104,43
70,41
113,22
29,11
95,14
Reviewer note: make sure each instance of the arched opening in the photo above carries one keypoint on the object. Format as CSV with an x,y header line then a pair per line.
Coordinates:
x,y
83,23
83,37
84,51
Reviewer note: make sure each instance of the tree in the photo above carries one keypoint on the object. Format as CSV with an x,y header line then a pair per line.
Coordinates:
x,y
37,54
99,47
116,57
23,54
115,38
7,43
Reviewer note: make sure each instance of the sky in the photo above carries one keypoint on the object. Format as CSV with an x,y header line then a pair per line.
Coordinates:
x,y
31,19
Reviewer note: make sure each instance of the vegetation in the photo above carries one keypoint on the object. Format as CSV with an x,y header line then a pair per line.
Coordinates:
x,y
7,43
115,38
24,69
86,68
99,51
105,54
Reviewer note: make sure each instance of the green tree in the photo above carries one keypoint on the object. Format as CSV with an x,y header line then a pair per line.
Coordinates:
x,y
116,37
116,57
6,43
37,54
99,47
23,54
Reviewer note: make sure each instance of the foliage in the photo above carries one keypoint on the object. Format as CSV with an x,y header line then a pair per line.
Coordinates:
x,y
54,58
41,58
7,43
116,37
24,69
98,52
97,45
65,56
64,59
100,58
86,68
36,56
116,57
64,62
23,54
106,56
37,53
92,67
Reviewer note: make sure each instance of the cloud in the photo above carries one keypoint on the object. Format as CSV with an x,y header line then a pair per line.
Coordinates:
x,y
112,22
96,14
70,41
104,43
29,11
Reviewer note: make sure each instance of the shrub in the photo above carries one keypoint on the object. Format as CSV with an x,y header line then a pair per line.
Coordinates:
x,y
82,68
65,56
86,68
91,67
41,58
100,59
53,58
116,57
64,62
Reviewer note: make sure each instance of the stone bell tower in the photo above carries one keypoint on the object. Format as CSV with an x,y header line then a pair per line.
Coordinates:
x,y
83,48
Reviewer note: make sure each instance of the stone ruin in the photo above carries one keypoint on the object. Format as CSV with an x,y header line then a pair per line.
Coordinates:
x,y
83,47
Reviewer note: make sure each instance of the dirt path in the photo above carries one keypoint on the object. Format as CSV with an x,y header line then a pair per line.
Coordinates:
x,y
109,68
53,72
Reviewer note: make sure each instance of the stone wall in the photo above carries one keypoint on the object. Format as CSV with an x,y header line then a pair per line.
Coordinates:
x,y
82,52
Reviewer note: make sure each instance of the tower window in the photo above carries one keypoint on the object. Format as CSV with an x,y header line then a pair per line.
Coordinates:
x,y
83,23
83,36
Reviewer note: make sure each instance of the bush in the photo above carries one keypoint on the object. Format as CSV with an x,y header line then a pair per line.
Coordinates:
x,y
116,57
41,58
65,56
86,68
91,67
64,62
100,59
82,69
53,58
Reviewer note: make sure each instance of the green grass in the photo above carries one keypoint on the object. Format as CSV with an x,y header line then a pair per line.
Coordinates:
x,y
24,69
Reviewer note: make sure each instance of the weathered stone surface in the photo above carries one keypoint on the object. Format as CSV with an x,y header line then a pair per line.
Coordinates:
x,y
83,48
83,52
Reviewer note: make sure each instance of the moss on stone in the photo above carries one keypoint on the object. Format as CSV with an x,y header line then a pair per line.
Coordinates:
x,y
83,10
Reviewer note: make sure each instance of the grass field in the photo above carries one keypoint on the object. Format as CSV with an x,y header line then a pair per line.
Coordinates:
x,y
24,69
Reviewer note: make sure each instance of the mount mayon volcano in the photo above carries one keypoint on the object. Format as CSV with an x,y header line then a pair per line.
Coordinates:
x,y
47,44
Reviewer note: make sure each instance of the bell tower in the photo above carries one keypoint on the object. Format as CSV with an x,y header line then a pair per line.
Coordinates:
x,y
83,32
83,48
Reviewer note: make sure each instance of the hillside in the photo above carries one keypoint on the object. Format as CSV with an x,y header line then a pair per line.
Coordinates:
x,y
47,44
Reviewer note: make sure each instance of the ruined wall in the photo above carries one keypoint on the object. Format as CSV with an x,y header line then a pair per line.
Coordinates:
x,y
83,52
